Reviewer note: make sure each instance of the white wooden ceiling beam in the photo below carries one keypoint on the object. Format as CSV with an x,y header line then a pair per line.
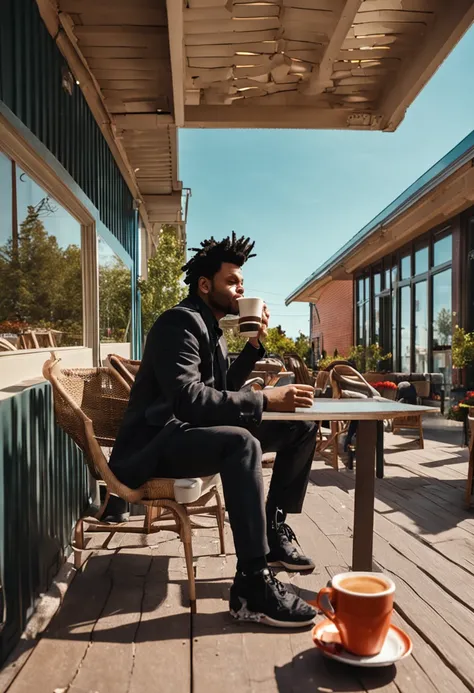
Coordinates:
x,y
177,54
321,79
265,117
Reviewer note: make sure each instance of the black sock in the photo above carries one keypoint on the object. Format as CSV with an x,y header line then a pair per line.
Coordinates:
x,y
252,565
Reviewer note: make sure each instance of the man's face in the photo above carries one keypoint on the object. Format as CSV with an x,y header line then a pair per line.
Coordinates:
x,y
222,291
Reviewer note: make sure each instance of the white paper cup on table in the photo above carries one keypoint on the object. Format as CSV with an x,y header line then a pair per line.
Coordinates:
x,y
250,316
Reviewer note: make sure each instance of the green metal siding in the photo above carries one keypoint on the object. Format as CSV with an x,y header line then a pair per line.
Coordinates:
x,y
30,85
43,489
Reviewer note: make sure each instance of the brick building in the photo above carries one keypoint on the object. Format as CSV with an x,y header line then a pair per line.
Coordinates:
x,y
332,319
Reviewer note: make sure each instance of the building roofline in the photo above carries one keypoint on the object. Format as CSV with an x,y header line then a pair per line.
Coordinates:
x,y
461,154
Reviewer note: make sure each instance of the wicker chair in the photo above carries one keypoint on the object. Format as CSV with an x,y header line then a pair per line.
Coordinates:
x,y
128,368
89,405
346,382
296,365
5,345
412,422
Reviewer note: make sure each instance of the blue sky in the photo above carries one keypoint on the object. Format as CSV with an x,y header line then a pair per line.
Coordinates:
x,y
300,194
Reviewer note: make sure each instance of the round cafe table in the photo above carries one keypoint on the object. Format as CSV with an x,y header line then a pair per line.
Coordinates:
x,y
367,412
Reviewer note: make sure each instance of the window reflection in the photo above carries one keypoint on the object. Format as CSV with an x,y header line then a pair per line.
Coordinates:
x,y
421,260
443,250
405,328
442,325
40,266
421,327
405,267
115,298
377,283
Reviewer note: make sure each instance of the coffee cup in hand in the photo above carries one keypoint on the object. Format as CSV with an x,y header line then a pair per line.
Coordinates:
x,y
250,316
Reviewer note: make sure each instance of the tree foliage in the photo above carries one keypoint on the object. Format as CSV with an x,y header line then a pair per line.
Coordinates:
x,y
163,289
277,342
41,283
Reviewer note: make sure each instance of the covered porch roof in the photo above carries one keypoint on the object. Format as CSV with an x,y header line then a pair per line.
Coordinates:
x,y
119,55
446,189
147,67
353,64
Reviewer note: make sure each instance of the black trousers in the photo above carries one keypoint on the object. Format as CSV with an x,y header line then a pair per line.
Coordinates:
x,y
236,454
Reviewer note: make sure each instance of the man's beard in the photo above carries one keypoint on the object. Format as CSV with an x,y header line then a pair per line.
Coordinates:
x,y
221,303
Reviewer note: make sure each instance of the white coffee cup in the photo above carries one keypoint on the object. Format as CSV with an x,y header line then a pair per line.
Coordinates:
x,y
250,316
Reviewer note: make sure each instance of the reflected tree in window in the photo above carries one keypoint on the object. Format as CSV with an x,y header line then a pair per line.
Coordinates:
x,y
41,281
115,296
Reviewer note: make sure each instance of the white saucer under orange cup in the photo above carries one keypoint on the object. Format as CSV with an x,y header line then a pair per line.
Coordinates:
x,y
358,628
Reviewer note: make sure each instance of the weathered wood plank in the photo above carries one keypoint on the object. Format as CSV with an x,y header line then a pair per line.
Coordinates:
x,y
447,625
251,658
163,639
109,660
61,650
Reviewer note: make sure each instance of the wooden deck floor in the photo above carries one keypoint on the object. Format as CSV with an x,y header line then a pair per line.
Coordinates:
x,y
124,626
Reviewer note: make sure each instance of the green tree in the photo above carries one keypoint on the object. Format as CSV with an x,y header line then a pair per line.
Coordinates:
x,y
277,341
444,327
235,341
115,301
163,289
303,348
41,282
30,272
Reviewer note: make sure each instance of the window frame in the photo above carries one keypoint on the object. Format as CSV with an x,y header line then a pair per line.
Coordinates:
x,y
392,263
19,150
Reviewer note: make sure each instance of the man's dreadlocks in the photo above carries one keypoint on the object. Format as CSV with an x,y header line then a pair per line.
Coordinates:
x,y
209,257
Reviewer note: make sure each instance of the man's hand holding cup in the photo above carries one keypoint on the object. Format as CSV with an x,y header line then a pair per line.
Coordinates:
x,y
289,397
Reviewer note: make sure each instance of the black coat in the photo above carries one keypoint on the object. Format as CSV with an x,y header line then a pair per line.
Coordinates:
x,y
177,384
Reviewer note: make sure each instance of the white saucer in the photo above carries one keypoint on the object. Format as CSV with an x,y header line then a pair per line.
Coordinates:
x,y
397,646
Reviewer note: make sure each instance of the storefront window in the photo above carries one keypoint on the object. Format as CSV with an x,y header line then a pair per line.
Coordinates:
x,y
443,250
405,328
377,283
421,260
421,327
115,302
394,349
405,267
40,265
377,320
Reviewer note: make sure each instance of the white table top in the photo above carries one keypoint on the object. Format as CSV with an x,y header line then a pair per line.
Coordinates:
x,y
346,410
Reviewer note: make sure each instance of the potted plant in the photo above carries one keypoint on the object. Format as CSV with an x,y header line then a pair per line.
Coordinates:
x,y
463,356
386,388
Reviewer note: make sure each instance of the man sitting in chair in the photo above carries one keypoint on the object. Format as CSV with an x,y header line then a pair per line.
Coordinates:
x,y
188,416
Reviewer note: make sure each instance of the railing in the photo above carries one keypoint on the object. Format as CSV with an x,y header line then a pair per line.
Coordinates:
x,y
43,489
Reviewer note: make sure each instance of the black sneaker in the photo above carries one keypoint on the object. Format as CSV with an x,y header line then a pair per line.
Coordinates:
x,y
116,511
282,552
261,598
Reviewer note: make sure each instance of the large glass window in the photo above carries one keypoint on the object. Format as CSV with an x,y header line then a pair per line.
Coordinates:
x,y
421,260
443,250
409,311
363,311
40,265
115,300
405,329
394,329
421,327
405,267
442,324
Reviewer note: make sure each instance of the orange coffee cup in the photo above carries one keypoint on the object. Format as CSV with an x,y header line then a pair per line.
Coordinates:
x,y
362,605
